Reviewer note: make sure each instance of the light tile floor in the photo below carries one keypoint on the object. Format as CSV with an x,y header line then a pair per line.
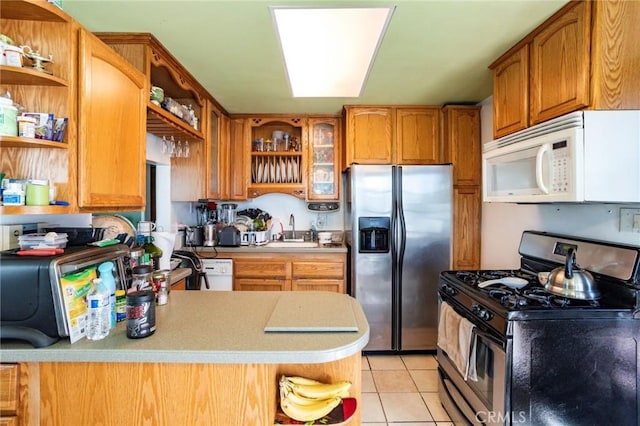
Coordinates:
x,y
401,390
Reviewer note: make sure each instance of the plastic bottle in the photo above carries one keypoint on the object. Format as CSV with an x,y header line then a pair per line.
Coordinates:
x,y
153,251
105,271
121,305
99,311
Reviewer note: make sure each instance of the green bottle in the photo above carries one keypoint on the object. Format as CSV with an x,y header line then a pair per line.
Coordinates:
x,y
154,252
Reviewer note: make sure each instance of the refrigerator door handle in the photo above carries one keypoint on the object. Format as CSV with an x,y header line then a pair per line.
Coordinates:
x,y
401,226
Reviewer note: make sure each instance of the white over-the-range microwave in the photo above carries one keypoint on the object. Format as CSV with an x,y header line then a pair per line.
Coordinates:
x,y
584,156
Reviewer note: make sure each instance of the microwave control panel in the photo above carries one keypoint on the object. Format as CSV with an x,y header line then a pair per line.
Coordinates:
x,y
560,167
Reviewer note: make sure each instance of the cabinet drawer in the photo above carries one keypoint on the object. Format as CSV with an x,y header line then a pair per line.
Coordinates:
x,y
260,269
248,284
9,389
319,270
336,286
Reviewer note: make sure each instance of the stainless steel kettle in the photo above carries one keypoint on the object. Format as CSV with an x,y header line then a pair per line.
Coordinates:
x,y
571,281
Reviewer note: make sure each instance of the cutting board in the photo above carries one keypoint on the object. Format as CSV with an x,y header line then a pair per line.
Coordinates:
x,y
317,312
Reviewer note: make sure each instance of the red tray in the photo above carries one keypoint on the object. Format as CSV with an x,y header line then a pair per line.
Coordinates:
x,y
337,416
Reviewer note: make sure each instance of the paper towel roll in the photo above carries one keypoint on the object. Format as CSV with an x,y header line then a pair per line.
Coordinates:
x,y
165,241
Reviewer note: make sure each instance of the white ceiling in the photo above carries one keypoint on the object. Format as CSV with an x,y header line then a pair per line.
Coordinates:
x,y
434,52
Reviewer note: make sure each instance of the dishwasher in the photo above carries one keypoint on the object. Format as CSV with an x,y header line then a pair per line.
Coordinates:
x,y
219,274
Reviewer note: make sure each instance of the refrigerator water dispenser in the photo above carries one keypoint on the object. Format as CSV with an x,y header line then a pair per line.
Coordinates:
x,y
374,234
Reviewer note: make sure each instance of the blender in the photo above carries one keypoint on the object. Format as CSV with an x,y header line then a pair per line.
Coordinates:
x,y
227,214
228,234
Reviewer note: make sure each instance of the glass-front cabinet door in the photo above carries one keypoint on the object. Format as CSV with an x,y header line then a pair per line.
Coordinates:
x,y
323,155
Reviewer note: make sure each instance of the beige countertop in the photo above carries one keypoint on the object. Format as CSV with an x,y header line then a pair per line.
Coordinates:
x,y
178,274
214,327
270,249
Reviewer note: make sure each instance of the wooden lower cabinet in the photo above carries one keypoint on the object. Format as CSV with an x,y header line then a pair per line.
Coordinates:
x,y
179,285
18,394
318,276
289,271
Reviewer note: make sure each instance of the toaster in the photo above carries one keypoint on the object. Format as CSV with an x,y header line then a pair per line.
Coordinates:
x,y
229,236
32,300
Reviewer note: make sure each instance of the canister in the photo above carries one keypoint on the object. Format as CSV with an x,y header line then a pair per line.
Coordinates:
x,y
141,314
27,126
13,56
8,117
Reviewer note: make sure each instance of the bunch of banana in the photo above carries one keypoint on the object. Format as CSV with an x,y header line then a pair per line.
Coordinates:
x,y
306,400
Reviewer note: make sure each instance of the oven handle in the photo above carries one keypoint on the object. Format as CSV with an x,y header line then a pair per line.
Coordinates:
x,y
490,338
461,403
477,330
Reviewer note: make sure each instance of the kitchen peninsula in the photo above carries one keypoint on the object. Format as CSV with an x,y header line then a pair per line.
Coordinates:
x,y
210,362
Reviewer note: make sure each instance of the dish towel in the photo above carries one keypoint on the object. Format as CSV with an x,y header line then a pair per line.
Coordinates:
x,y
457,339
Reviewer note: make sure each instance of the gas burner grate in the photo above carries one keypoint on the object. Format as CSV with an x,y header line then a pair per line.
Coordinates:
x,y
467,277
534,298
548,299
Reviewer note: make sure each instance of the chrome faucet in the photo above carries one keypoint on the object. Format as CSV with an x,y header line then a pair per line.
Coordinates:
x,y
292,224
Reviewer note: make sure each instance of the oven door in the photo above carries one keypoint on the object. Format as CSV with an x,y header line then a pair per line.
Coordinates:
x,y
482,401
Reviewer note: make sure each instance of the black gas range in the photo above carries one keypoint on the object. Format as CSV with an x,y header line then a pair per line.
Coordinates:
x,y
540,357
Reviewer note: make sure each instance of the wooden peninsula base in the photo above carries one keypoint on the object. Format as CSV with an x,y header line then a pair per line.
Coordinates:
x,y
210,362
175,394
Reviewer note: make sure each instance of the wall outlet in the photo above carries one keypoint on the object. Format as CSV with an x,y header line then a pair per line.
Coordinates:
x,y
629,220
321,220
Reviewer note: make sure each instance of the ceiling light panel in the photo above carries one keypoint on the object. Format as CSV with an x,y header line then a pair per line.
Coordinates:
x,y
328,51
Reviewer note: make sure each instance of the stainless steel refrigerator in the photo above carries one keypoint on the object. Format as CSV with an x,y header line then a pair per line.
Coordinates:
x,y
398,230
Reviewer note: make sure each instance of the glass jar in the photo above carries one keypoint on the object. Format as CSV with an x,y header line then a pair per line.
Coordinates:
x,y
142,277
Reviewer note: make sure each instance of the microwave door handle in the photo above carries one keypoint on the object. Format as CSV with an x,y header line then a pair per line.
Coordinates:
x,y
539,177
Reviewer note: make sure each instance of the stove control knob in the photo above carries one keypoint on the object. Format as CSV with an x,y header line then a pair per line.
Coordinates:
x,y
449,290
482,313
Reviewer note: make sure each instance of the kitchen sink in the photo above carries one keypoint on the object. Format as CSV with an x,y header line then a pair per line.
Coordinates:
x,y
292,244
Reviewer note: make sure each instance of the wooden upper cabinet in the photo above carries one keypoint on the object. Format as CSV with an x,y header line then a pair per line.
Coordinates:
x,y
560,63
183,117
392,135
111,136
615,70
368,135
585,56
511,93
462,143
417,138
217,151
235,182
